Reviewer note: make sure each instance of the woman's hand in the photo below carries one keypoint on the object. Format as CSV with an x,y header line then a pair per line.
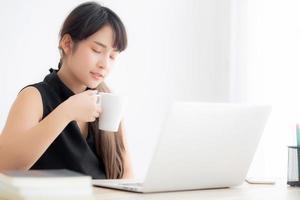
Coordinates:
x,y
82,106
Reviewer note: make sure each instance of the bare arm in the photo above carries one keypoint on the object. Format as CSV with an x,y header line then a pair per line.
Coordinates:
x,y
25,136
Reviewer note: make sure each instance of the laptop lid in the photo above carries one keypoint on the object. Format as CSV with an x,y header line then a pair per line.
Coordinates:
x,y
205,145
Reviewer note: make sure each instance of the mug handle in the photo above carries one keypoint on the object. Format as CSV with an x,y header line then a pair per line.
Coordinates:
x,y
98,102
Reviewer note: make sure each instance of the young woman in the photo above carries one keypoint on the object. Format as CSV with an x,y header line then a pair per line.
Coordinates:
x,y
53,124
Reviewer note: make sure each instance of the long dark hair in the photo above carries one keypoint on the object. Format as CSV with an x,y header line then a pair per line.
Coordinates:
x,y
83,21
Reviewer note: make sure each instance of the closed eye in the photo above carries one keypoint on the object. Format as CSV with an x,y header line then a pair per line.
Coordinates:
x,y
96,51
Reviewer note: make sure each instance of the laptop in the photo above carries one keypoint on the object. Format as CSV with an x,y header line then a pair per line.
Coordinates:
x,y
201,146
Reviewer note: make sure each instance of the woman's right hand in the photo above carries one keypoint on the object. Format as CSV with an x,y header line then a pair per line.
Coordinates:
x,y
82,107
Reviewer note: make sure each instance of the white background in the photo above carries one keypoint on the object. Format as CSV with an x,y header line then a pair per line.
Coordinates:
x,y
265,68
200,50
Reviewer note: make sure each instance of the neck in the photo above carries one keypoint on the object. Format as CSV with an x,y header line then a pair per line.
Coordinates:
x,y
70,80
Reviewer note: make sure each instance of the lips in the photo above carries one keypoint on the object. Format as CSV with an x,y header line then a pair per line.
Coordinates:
x,y
97,75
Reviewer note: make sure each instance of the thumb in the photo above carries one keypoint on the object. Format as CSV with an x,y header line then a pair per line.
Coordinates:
x,y
91,92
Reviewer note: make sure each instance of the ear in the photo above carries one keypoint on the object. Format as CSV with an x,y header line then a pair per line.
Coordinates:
x,y
66,44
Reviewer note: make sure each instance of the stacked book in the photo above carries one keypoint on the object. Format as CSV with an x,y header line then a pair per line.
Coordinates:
x,y
45,185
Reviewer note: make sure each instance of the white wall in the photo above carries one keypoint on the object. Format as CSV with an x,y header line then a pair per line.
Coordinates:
x,y
267,58
177,49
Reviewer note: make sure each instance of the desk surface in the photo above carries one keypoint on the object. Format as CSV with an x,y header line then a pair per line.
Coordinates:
x,y
246,192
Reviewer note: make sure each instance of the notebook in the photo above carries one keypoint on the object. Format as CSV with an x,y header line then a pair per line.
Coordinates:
x,y
45,184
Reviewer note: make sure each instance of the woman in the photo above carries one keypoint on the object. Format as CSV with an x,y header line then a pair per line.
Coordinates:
x,y
53,124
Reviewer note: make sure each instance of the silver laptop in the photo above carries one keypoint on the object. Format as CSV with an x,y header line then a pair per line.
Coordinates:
x,y
202,145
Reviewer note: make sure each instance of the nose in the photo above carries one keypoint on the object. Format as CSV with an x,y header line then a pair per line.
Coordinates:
x,y
103,62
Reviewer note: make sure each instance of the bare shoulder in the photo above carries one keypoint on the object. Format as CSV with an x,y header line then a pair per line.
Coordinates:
x,y
29,93
25,112
29,96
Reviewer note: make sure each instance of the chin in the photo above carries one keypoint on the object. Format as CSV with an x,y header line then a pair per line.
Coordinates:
x,y
93,85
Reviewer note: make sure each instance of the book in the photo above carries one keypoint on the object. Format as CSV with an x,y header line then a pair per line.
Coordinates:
x,y
45,184
45,178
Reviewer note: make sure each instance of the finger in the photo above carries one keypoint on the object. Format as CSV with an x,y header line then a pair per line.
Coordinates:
x,y
99,109
94,97
97,115
91,92
92,119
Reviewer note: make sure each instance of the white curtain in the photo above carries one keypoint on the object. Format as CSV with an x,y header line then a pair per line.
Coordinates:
x,y
265,68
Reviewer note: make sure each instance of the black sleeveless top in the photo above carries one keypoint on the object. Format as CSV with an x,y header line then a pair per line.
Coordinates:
x,y
70,150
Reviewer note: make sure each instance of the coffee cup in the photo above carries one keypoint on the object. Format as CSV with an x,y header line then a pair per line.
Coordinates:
x,y
112,106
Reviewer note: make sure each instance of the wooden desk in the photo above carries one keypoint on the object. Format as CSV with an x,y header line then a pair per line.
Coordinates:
x,y
245,192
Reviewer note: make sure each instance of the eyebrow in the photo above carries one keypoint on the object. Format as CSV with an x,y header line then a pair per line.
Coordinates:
x,y
103,45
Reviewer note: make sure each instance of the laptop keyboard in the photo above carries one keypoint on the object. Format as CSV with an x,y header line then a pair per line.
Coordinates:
x,y
132,184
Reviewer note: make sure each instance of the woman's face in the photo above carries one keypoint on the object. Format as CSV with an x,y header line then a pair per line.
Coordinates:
x,y
93,58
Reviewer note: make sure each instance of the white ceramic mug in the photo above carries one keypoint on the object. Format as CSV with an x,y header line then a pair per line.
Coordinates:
x,y
112,111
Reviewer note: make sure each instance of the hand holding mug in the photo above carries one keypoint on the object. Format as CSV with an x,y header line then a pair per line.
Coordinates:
x,y
83,106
